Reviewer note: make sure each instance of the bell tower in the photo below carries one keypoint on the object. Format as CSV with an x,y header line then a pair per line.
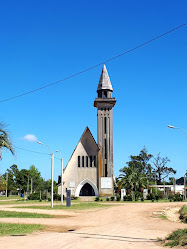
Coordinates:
x,y
104,104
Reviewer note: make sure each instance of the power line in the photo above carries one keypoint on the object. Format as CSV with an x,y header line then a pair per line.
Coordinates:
x,y
36,152
32,151
88,69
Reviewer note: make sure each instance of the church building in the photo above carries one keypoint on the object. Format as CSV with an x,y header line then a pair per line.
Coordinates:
x,y
89,171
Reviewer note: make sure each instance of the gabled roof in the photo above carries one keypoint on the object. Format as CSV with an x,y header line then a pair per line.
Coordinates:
x,y
104,82
86,130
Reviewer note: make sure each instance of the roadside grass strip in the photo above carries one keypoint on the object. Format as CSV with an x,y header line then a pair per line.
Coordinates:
x,y
17,197
10,214
177,238
183,214
19,229
79,206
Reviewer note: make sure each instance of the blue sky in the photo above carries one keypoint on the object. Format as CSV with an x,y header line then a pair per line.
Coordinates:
x,y
45,41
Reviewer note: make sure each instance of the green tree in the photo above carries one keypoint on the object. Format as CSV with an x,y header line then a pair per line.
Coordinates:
x,y
160,168
141,162
5,141
135,176
22,179
12,172
132,179
36,178
2,184
55,186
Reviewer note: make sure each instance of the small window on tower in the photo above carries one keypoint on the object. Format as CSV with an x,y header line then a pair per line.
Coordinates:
x,y
105,125
90,161
105,94
86,161
94,161
105,149
82,161
78,161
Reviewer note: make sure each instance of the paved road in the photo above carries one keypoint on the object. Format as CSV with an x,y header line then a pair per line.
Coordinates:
x,y
130,225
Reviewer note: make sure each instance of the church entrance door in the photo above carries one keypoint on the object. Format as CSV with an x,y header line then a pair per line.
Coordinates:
x,y
87,190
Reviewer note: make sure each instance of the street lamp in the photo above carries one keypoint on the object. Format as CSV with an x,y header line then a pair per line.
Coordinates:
x,y
173,127
52,169
61,176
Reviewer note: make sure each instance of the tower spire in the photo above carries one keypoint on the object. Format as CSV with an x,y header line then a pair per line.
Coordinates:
x,y
104,104
104,82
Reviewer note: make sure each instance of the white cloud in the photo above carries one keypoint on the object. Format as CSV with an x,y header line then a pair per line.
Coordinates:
x,y
30,138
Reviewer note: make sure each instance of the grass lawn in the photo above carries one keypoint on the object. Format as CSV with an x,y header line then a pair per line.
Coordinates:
x,y
9,214
178,237
77,206
10,197
19,229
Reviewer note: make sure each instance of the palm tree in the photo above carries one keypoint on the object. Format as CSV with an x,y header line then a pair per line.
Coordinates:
x,y
132,179
5,141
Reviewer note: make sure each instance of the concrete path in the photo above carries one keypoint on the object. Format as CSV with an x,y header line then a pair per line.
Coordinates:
x,y
130,225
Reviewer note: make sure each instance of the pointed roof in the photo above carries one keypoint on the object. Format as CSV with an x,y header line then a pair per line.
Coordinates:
x,y
104,82
81,139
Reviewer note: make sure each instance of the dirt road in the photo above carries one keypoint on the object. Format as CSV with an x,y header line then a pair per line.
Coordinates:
x,y
130,225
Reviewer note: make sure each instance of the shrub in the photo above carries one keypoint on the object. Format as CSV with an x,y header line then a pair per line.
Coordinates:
x,y
183,213
36,196
170,197
156,197
112,198
127,198
153,200
96,198
107,199
56,197
160,194
178,197
142,199
118,198
101,199
150,196
138,195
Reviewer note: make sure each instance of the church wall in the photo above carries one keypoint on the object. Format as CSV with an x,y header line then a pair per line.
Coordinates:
x,y
74,175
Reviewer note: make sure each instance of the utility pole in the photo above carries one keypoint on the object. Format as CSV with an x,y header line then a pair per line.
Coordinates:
x,y
174,187
185,186
164,189
52,178
61,176
28,185
52,170
155,185
61,181
6,184
31,184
